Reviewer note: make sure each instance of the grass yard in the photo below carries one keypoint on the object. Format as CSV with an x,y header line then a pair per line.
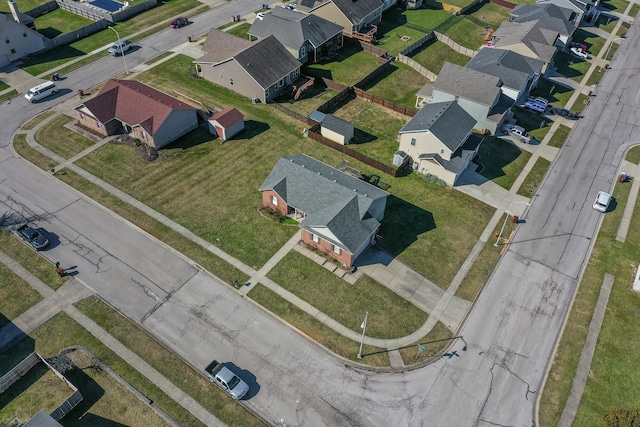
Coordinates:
x,y
104,398
436,53
557,94
311,100
16,296
613,376
593,42
411,23
3,86
559,136
59,22
66,142
467,33
241,31
167,363
458,3
37,119
390,316
535,124
581,103
8,95
633,155
32,155
571,66
501,161
607,22
23,5
61,332
348,67
314,329
400,86
30,259
491,13
534,178
39,389
633,12
376,129
615,5
436,340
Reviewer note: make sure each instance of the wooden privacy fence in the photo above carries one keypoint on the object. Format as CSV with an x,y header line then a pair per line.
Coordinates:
x,y
383,102
418,67
455,46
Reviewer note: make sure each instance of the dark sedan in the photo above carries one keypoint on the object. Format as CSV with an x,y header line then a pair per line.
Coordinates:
x,y
563,112
179,22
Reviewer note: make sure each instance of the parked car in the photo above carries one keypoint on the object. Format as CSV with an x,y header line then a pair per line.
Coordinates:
x,y
602,201
292,6
563,112
179,22
538,105
224,378
577,51
260,16
119,48
33,237
519,133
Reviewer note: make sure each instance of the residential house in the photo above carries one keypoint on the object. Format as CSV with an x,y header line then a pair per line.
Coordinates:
x,y
308,38
338,214
478,93
519,74
558,19
414,4
439,141
356,17
18,38
226,123
131,107
530,39
261,70
424,95
586,10
337,129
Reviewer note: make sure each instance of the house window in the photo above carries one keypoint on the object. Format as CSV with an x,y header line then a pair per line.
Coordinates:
x,y
274,200
315,238
231,80
266,93
98,125
413,141
13,51
303,51
336,250
442,151
81,116
221,76
144,135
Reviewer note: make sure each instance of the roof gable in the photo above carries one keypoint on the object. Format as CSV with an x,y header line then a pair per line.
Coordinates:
x,y
532,34
467,83
221,46
267,61
447,121
227,117
355,11
551,16
134,103
512,68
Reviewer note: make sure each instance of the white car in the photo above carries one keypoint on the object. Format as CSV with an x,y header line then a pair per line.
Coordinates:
x,y
579,53
119,48
602,201
260,16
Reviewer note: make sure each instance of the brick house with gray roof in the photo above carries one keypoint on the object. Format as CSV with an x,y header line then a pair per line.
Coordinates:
x,y
145,113
478,93
519,74
309,38
338,214
439,140
261,70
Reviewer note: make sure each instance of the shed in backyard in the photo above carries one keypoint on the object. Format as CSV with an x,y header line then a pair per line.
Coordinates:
x,y
337,129
227,123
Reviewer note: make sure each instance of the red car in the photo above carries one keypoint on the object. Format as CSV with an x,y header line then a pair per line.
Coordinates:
x,y
180,22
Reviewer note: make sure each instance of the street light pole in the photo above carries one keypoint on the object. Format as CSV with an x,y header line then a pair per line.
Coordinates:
x,y
121,50
513,202
364,328
609,50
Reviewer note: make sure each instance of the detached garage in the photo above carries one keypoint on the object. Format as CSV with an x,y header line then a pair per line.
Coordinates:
x,y
227,123
337,129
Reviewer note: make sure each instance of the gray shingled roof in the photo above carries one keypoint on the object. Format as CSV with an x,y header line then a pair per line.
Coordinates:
x,y
460,156
337,124
267,61
532,34
512,68
220,46
552,17
294,28
446,120
467,83
355,11
330,197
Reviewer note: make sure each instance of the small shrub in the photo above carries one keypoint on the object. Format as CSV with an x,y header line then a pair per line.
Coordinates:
x,y
620,417
434,180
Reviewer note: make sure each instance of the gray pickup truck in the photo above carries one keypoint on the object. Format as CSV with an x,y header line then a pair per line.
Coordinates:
x,y
33,237
219,374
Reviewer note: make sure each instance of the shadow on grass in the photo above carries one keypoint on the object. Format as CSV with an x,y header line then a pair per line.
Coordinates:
x,y
392,19
361,137
49,32
23,384
563,63
60,52
402,224
494,155
11,355
94,420
379,77
252,129
548,89
91,392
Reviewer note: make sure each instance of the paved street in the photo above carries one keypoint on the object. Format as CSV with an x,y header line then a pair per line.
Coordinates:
x,y
509,334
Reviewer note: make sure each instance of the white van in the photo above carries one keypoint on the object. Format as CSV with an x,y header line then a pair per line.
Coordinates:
x,y
41,91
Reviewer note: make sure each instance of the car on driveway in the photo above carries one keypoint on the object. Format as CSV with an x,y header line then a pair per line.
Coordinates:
x,y
563,112
120,47
603,199
519,133
577,51
179,22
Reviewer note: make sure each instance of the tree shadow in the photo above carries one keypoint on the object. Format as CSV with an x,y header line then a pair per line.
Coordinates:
x,y
402,224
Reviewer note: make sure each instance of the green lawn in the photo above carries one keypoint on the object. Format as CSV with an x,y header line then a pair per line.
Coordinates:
x,y
241,31
351,65
607,22
571,66
559,136
436,53
633,12
491,13
23,5
3,86
633,155
66,142
467,33
390,316
556,93
8,95
61,332
615,5
529,187
314,329
535,124
438,338
501,161
16,296
59,22
593,42
458,3
376,129
581,103
400,86
613,375
168,364
411,23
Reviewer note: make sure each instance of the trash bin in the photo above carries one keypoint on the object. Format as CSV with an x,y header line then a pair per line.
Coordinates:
x,y
55,76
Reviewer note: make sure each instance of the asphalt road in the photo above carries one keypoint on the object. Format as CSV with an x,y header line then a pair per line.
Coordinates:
x,y
510,333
